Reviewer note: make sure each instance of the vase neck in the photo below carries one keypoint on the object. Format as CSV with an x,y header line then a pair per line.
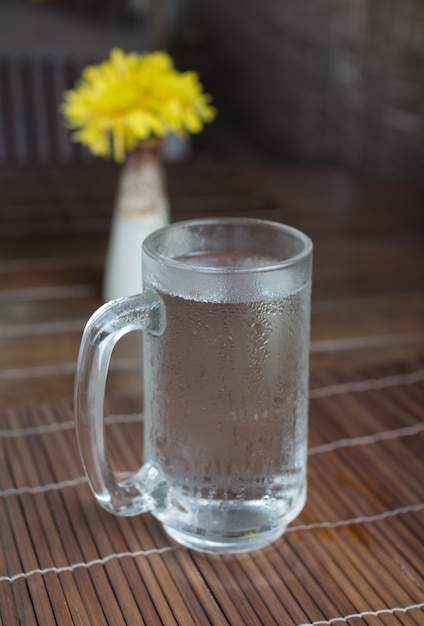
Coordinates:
x,y
142,183
149,145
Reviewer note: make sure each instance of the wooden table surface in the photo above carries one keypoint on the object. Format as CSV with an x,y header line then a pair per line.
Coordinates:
x,y
355,554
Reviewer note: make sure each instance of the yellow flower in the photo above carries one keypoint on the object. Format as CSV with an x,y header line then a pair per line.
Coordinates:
x,y
133,97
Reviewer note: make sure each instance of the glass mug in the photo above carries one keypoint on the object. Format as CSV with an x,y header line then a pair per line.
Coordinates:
x,y
226,313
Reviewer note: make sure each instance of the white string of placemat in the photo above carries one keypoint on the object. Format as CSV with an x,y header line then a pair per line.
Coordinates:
x,y
53,328
384,382
365,440
360,519
66,291
345,618
329,447
356,386
369,341
43,429
59,369
128,418
86,564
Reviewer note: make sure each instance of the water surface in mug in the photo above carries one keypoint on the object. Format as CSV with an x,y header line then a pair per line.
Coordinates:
x,y
227,259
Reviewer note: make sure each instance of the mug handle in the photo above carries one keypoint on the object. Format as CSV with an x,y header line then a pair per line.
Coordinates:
x,y
146,489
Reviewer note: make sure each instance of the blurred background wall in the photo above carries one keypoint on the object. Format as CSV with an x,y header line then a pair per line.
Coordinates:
x,y
338,82
327,82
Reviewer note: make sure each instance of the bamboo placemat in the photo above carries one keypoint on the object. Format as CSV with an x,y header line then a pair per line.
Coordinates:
x,y
355,555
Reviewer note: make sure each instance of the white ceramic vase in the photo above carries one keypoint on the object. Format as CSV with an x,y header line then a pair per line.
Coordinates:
x,y
141,207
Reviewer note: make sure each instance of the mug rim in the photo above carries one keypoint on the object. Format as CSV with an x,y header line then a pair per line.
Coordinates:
x,y
305,252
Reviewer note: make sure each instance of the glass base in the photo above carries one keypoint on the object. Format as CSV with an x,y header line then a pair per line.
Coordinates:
x,y
231,545
228,526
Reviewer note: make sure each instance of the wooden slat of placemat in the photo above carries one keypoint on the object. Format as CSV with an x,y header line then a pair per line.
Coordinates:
x,y
356,549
